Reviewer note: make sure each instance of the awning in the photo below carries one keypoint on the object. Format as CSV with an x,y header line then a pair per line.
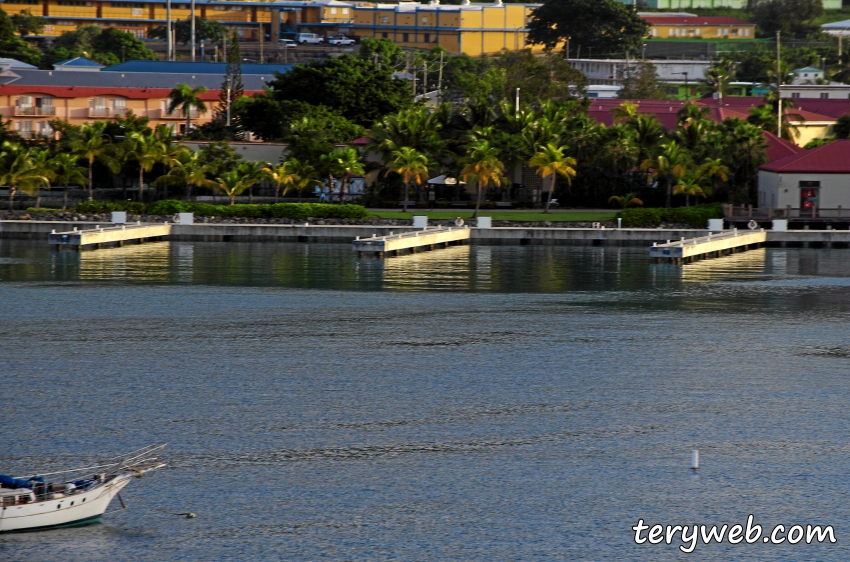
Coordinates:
x,y
443,180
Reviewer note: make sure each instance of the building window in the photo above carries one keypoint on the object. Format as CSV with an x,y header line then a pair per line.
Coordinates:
x,y
670,31
73,3
824,95
699,32
427,37
747,32
34,105
385,19
384,35
345,11
795,94
654,32
405,38
333,11
424,19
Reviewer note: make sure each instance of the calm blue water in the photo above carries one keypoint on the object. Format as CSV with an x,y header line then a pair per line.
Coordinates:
x,y
474,403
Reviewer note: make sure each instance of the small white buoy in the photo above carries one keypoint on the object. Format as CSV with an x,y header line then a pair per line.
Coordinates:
x,y
190,516
695,459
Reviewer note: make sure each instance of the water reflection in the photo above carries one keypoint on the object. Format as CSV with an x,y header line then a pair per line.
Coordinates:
x,y
742,266
143,263
446,269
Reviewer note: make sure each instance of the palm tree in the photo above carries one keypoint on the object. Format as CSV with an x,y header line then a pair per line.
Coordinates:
x,y
252,170
625,200
189,170
89,142
146,150
21,173
690,185
714,170
669,164
65,172
292,174
550,163
409,163
483,166
278,176
717,78
648,133
233,183
41,161
625,112
347,164
187,98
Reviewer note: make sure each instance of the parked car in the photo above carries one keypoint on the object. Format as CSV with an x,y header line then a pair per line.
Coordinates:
x,y
341,40
308,38
288,43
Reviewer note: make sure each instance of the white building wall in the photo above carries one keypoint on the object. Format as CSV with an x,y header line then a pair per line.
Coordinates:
x,y
780,190
610,71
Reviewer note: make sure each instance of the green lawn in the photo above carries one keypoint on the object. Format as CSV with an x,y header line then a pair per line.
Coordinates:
x,y
520,216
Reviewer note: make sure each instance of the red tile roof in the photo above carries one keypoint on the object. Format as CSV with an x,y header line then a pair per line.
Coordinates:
x,y
693,20
778,148
87,92
831,158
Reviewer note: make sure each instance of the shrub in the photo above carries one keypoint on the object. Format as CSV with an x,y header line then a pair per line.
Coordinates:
x,y
443,204
296,211
695,217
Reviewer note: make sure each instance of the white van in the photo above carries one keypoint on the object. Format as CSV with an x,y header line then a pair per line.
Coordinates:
x,y
308,38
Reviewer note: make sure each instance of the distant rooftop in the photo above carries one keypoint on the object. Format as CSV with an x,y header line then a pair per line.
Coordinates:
x,y
51,78
186,67
14,63
78,64
693,20
831,158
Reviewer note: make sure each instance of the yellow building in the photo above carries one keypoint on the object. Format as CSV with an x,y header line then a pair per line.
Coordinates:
x,y
472,29
697,27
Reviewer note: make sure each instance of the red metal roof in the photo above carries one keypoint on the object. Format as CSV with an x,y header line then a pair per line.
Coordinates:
x,y
87,92
831,158
778,148
694,20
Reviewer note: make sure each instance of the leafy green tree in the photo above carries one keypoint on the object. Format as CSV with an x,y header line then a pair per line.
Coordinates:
x,y
600,26
27,24
252,171
273,120
409,163
12,46
347,164
382,52
670,164
540,79
146,151
233,183
123,45
841,129
220,157
204,30
360,90
20,171
187,98
717,79
794,18
639,81
66,171
106,46
89,142
190,170
483,166
550,162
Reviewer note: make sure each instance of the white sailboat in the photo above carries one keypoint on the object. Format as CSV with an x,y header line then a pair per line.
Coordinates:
x,y
70,497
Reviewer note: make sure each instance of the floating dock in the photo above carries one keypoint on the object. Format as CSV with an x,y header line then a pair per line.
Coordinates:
x,y
115,234
709,246
426,239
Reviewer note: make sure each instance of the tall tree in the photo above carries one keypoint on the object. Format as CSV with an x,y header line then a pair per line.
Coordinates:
x,y
21,172
233,183
12,46
232,85
348,163
483,166
66,171
409,163
605,27
89,142
27,24
640,82
669,165
550,162
187,98
146,150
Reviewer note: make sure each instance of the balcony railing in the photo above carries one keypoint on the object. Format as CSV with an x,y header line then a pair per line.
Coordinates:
x,y
106,112
742,212
178,114
33,110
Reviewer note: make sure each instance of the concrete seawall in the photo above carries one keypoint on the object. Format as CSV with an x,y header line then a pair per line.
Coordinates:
x,y
38,230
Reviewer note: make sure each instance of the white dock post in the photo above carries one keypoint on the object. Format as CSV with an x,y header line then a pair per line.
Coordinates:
x,y
695,459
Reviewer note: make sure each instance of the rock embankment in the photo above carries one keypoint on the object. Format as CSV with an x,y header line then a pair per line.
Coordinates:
x,y
106,218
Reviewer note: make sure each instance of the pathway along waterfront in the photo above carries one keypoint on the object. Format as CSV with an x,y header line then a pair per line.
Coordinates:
x,y
38,230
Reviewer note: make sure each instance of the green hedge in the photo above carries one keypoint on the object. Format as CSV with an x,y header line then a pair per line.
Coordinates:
x,y
297,211
695,217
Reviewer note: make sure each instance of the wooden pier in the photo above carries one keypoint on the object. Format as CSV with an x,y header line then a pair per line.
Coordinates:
x,y
427,239
115,235
709,246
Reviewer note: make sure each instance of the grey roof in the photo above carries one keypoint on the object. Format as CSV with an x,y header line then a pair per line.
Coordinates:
x,y
14,63
26,77
187,67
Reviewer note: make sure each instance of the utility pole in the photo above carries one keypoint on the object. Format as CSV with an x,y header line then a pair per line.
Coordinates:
x,y
262,32
440,80
516,103
192,31
778,88
228,102
425,79
169,44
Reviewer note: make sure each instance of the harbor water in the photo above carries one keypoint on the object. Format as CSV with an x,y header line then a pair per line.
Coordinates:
x,y
473,403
